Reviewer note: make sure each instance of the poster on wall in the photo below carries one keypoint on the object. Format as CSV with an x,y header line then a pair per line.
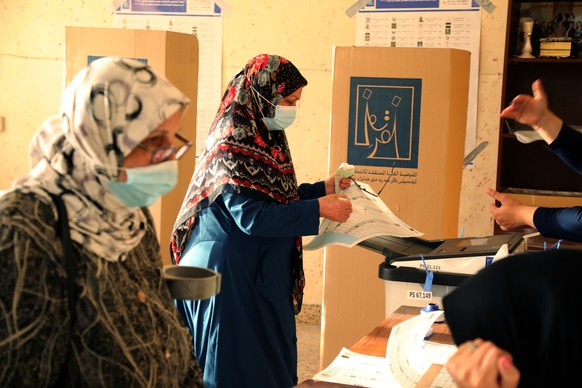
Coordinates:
x,y
431,24
202,18
384,121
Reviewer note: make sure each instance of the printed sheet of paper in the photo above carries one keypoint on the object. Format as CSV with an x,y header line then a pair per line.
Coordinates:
x,y
408,358
356,369
198,17
370,218
429,24
409,355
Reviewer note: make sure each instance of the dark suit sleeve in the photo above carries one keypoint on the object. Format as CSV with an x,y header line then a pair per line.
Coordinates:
x,y
562,223
568,147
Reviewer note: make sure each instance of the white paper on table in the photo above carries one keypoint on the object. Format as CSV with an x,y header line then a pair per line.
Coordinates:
x,y
409,356
357,369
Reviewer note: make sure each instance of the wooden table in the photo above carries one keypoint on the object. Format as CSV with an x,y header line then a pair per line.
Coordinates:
x,y
376,341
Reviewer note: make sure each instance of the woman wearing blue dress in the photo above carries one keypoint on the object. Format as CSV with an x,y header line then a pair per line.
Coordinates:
x,y
243,216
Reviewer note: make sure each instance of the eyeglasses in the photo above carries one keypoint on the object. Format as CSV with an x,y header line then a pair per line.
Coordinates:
x,y
162,154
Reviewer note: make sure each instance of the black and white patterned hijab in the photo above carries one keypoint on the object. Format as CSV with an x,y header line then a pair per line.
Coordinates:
x,y
108,108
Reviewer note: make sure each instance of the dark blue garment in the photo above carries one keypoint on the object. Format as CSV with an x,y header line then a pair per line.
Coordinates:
x,y
245,336
568,147
563,223
527,304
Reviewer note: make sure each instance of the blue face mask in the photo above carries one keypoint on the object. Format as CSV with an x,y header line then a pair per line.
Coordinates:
x,y
146,184
284,117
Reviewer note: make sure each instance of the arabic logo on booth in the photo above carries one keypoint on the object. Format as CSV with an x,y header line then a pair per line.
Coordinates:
x,y
384,121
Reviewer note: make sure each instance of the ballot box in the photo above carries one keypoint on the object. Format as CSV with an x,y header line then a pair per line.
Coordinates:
x,y
408,262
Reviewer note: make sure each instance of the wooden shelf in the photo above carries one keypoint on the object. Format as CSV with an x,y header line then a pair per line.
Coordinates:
x,y
517,190
532,171
545,60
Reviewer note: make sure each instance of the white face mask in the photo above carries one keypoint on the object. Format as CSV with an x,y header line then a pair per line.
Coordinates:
x,y
284,115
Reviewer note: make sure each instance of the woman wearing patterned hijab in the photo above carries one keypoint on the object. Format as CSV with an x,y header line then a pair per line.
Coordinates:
x,y
107,155
243,216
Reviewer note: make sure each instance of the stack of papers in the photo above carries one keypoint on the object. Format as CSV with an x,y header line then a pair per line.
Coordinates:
x,y
408,358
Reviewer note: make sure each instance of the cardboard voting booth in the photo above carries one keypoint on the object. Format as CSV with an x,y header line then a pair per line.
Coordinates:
x,y
399,116
173,54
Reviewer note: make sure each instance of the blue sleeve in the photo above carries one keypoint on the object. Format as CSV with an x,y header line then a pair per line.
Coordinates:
x,y
561,223
270,219
311,190
568,147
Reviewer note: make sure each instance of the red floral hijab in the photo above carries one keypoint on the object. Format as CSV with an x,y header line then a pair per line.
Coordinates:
x,y
240,152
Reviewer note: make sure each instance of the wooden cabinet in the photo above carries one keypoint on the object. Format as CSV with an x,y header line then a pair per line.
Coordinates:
x,y
530,171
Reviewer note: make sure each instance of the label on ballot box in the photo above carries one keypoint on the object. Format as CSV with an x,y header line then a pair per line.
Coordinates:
x,y
412,294
419,295
467,265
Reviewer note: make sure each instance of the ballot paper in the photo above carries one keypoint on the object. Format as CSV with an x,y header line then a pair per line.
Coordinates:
x,y
409,356
408,359
370,218
357,369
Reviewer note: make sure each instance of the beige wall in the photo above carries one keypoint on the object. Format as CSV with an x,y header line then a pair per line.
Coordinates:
x,y
31,77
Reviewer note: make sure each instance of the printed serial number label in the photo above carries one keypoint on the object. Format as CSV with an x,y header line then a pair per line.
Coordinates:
x,y
419,295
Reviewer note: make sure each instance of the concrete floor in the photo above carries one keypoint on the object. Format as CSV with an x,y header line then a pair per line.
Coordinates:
x,y
308,337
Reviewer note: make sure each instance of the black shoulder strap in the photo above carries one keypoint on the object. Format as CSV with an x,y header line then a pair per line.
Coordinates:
x,y
69,262
70,268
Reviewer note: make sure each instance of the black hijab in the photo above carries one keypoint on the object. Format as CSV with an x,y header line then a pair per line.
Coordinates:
x,y
526,304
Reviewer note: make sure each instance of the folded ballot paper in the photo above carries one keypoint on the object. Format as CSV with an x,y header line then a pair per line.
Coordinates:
x,y
410,360
370,218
